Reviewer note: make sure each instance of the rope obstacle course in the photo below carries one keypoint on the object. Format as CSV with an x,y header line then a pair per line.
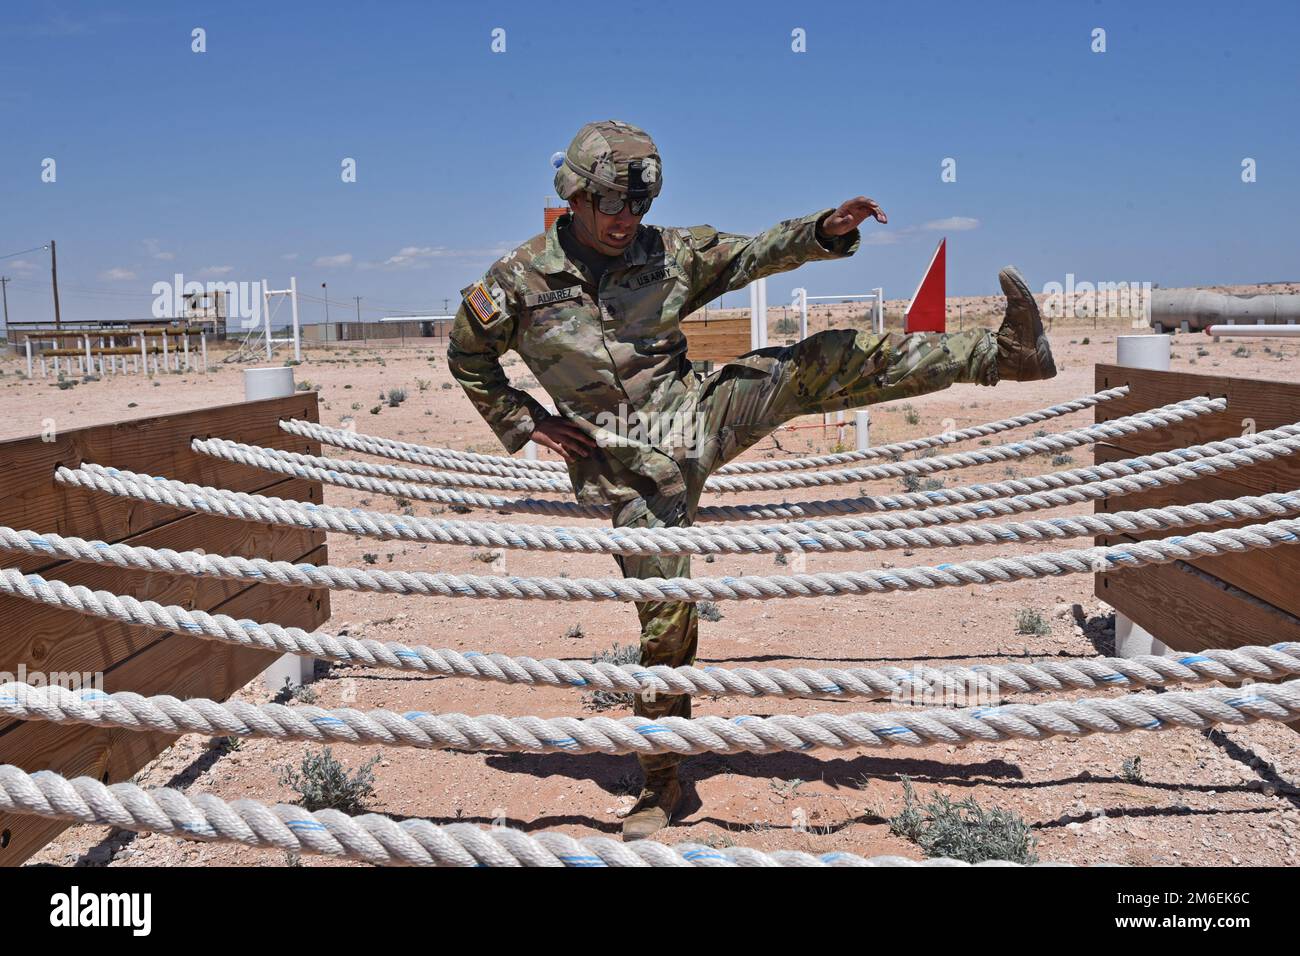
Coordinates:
x,y
888,522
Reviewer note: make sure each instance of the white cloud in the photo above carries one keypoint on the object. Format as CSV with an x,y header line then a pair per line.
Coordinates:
x,y
952,224
289,256
117,275
216,270
421,257
155,249
334,262
22,265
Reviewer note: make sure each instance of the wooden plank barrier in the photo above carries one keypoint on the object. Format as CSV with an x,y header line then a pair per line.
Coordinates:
x,y
54,641
1229,600
716,340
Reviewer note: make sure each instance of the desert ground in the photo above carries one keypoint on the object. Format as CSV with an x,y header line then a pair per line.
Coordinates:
x,y
1228,797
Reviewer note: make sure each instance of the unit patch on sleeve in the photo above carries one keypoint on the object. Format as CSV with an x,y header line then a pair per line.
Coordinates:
x,y
481,303
552,296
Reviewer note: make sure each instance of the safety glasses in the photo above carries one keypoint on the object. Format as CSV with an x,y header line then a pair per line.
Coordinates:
x,y
613,205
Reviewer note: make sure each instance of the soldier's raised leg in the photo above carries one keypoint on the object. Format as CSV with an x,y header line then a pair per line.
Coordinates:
x,y
843,368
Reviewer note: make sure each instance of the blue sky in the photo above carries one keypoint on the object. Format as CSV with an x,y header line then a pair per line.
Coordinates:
x,y
1115,166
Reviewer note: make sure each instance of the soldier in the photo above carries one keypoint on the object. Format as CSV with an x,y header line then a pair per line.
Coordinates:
x,y
594,307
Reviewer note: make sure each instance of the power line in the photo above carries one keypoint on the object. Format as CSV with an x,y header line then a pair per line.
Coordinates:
x,y
25,251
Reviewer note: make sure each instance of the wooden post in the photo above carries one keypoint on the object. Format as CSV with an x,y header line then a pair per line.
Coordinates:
x,y
129,658
1226,601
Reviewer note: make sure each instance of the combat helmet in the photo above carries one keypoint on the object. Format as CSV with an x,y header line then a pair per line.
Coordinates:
x,y
610,158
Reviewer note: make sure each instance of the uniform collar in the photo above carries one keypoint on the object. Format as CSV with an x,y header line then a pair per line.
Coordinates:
x,y
554,260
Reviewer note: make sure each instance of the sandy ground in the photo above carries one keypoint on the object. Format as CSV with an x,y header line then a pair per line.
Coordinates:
x,y
1222,798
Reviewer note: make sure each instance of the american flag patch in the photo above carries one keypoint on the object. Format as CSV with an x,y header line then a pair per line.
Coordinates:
x,y
481,304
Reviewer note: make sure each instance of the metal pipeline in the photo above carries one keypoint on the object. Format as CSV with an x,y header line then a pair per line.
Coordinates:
x,y
1190,309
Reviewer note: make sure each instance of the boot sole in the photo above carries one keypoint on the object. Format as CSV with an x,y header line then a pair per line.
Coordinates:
x,y
1013,276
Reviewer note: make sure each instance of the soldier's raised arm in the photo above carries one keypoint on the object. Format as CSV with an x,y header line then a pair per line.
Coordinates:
x,y
720,261
483,331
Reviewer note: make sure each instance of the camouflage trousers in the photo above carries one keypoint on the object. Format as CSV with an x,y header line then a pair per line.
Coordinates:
x,y
743,402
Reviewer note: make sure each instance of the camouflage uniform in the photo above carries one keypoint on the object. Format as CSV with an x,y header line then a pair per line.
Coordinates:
x,y
603,353
612,356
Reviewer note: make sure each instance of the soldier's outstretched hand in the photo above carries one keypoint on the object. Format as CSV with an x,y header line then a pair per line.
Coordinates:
x,y
564,438
846,218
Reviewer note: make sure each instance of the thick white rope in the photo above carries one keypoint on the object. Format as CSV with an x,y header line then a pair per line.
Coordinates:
x,y
346,472
372,838
1127,478
822,508
867,534
920,683
505,466
1192,547
1197,710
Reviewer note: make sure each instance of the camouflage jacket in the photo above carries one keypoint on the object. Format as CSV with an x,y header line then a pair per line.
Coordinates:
x,y
604,352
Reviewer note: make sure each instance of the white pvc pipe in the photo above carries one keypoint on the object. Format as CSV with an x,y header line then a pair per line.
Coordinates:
x,y
266,315
187,351
164,351
1145,352
862,428
203,346
262,383
1254,331
293,302
28,343
144,355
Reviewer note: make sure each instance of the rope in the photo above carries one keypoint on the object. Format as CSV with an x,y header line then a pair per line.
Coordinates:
x,y
505,466
924,683
342,470
866,534
751,587
1198,710
372,838
829,507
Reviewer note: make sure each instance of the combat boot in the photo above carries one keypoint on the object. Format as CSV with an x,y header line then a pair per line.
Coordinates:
x,y
654,808
1023,352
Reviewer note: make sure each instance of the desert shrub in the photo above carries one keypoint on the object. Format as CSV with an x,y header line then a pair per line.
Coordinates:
x,y
1031,621
322,783
618,654
963,830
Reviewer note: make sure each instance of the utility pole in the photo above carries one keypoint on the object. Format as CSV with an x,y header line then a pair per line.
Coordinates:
x,y
54,277
358,298
444,305
4,291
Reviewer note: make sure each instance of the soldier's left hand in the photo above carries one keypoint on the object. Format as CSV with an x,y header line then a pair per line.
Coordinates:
x,y
846,218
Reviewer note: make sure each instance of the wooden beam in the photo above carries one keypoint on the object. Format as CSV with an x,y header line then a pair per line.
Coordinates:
x,y
176,664
1226,601
52,640
59,640
155,446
